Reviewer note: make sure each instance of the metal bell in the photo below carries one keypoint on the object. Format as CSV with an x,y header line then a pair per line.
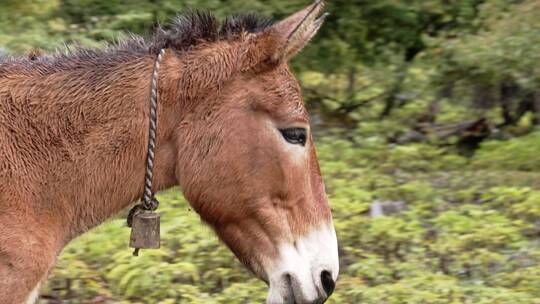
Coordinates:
x,y
145,231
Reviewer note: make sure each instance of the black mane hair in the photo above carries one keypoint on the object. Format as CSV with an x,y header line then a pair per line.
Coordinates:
x,y
193,27
185,31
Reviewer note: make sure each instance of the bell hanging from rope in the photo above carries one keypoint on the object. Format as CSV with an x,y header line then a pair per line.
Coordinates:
x,y
144,231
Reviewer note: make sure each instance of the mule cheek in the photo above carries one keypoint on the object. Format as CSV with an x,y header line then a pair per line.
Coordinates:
x,y
318,190
306,202
250,244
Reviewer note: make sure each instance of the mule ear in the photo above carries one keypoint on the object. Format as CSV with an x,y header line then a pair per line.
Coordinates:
x,y
286,38
299,28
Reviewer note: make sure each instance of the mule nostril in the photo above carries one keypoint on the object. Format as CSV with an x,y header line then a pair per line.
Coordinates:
x,y
327,282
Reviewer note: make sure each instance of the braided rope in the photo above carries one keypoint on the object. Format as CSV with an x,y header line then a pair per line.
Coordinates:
x,y
149,202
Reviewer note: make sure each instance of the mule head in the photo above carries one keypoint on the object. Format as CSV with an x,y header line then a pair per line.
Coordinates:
x,y
247,162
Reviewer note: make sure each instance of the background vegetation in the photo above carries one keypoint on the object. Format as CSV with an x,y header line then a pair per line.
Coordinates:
x,y
427,106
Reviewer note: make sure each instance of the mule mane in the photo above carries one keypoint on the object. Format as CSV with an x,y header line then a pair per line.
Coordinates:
x,y
183,33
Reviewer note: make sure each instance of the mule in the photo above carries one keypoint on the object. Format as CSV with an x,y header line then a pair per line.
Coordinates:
x,y
233,133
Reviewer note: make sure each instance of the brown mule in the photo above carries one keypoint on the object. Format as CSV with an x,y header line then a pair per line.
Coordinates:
x,y
233,132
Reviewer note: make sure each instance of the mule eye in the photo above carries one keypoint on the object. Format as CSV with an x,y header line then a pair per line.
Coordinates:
x,y
296,136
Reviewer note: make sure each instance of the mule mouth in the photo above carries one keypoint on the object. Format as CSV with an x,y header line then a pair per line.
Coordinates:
x,y
289,283
306,270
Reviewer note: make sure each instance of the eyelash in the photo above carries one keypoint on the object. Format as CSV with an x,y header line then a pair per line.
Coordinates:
x,y
295,136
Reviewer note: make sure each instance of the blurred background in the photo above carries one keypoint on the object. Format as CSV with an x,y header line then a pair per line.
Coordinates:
x,y
425,115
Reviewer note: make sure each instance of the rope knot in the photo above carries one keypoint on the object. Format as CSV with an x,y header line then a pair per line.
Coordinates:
x,y
145,205
151,204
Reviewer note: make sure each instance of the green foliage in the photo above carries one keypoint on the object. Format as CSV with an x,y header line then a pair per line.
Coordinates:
x,y
517,153
192,266
507,46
